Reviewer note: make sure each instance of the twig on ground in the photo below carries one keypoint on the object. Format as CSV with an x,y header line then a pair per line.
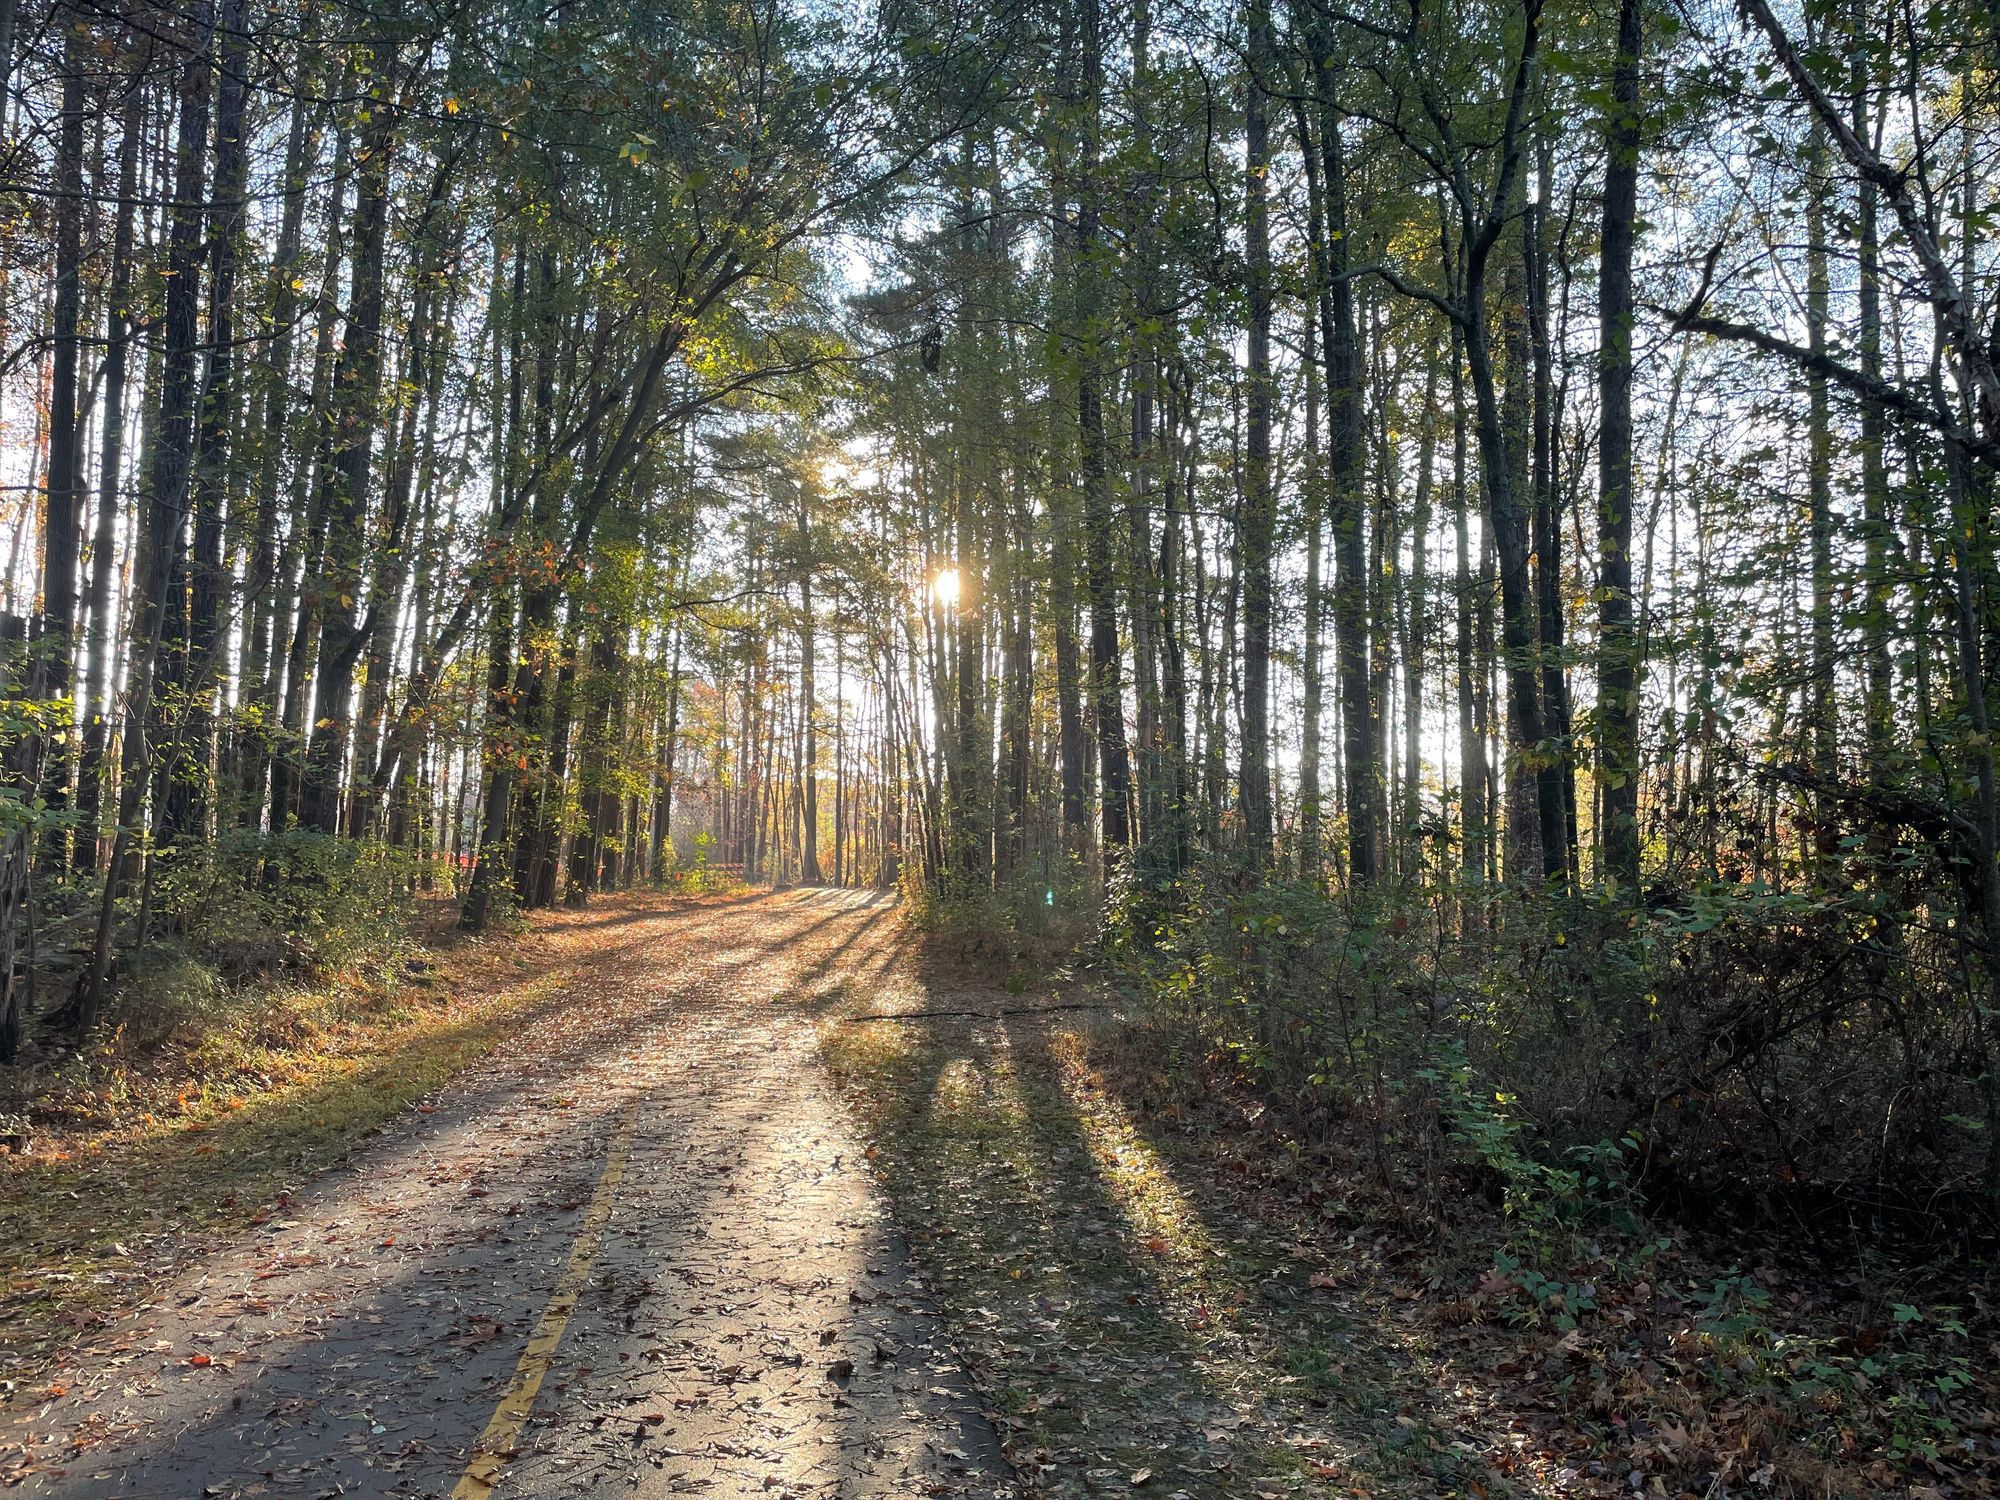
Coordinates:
x,y
1019,1010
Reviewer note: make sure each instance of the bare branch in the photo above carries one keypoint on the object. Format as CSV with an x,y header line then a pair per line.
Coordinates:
x,y
1889,397
1975,356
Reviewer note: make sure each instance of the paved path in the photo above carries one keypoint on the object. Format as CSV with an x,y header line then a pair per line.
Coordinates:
x,y
636,1252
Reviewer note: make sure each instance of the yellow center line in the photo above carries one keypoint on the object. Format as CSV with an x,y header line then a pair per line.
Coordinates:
x,y
497,1443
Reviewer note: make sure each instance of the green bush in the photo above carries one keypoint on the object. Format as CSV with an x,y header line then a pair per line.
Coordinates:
x,y
1052,904
293,903
1680,1051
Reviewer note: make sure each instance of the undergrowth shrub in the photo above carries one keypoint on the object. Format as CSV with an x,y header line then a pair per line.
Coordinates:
x,y
293,903
233,918
1664,1105
1053,905
229,984
168,992
1735,1051
695,873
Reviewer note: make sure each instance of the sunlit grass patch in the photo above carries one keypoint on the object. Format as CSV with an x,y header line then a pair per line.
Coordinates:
x,y
1161,1216
978,1102
864,1050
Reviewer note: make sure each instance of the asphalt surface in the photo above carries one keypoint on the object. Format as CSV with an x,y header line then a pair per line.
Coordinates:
x,y
637,1251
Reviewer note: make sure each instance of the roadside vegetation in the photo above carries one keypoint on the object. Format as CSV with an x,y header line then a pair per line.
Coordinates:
x,y
1160,1265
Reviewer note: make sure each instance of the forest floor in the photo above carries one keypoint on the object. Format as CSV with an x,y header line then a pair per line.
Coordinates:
x,y
765,1195
1162,1290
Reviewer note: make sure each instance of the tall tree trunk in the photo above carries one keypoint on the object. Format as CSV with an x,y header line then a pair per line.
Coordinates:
x,y
419,392
1173,666
1618,661
1313,487
310,496
1507,517
1257,532
597,797
1526,853
1106,676
499,757
263,583
164,497
94,705
191,787
542,660
1017,685
1385,580
1417,642
808,770
1822,713
1547,523
550,705
357,390
1346,499
63,525
663,797
1069,708
1877,620
1473,828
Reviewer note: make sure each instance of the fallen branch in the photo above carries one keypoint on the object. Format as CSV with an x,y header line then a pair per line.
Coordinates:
x,y
1023,1010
